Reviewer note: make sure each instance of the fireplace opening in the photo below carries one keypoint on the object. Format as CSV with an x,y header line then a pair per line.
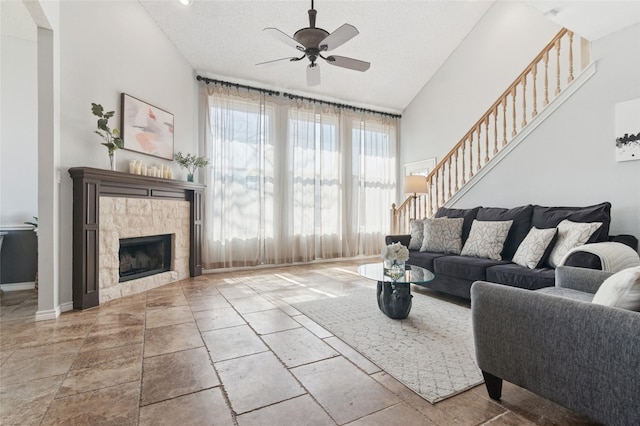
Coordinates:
x,y
144,256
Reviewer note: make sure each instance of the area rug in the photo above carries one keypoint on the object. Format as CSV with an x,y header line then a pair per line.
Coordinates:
x,y
431,351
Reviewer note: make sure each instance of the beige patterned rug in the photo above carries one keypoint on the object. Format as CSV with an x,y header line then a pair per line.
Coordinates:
x,y
431,351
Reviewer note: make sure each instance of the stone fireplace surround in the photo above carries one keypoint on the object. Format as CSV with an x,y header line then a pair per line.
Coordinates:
x,y
140,217
111,205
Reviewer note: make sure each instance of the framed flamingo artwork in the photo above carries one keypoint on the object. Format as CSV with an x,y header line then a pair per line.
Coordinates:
x,y
146,128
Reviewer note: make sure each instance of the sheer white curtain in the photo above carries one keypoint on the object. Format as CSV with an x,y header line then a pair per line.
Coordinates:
x,y
293,181
374,143
234,197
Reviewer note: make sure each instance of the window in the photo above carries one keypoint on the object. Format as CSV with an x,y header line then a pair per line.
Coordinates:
x,y
294,183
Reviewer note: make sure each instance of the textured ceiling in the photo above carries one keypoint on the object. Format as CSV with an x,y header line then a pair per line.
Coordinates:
x,y
591,19
405,41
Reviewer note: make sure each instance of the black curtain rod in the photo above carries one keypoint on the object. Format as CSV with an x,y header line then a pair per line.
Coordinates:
x,y
237,86
291,96
343,106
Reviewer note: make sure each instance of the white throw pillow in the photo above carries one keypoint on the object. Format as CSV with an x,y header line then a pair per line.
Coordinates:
x,y
442,235
532,248
570,235
486,239
621,290
417,234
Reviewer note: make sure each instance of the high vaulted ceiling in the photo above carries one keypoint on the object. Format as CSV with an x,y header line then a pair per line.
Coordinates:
x,y
225,38
405,41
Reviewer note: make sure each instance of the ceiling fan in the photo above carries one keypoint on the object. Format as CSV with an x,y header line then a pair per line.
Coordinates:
x,y
313,42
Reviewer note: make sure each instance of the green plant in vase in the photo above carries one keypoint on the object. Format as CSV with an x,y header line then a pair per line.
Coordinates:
x,y
112,139
191,163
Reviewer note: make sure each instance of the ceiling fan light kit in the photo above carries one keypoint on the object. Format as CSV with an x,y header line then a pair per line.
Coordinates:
x,y
313,41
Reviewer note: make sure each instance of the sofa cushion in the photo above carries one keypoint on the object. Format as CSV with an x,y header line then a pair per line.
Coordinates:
x,y
467,214
621,290
417,234
486,239
466,267
570,235
442,235
550,217
538,243
403,239
521,217
520,276
423,259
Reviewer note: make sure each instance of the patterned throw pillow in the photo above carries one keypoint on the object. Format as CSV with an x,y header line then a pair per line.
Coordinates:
x,y
417,234
570,235
486,239
442,235
531,250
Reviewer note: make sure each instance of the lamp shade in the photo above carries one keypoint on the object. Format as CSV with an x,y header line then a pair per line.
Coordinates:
x,y
415,184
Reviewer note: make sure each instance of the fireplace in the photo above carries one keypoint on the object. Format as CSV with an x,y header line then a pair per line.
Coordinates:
x,y
144,256
110,206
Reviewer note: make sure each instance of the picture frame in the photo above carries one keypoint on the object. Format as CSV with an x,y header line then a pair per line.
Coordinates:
x,y
422,168
627,126
146,128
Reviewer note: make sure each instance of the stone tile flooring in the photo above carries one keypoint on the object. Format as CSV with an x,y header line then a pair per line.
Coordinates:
x,y
224,349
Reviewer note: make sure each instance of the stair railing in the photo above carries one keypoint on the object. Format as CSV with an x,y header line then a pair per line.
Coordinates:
x,y
542,80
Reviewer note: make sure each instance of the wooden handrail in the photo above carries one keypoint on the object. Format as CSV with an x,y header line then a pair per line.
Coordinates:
x,y
505,94
457,167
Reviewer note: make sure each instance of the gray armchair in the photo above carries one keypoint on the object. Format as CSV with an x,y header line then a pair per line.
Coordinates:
x,y
557,344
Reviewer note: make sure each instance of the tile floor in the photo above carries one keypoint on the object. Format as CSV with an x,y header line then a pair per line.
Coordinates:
x,y
223,349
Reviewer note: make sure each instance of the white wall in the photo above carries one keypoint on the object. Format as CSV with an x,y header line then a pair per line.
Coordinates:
x,y
570,158
108,48
487,61
19,132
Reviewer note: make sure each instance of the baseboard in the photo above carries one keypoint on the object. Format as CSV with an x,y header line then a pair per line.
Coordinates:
x,y
29,285
66,307
280,265
50,314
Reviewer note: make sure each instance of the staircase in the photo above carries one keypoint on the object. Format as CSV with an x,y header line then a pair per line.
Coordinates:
x,y
545,82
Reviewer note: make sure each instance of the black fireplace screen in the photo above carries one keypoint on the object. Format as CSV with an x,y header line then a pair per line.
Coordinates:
x,y
144,256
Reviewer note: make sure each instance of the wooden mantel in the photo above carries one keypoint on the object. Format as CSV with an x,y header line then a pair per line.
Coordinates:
x,y
89,185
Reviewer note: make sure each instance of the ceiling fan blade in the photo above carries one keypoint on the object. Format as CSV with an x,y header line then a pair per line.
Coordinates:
x,y
291,59
313,75
279,35
350,63
339,37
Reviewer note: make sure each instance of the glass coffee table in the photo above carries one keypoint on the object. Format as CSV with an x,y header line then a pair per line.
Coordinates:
x,y
394,296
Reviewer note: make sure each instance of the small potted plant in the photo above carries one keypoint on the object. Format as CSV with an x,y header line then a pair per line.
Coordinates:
x,y
191,163
112,139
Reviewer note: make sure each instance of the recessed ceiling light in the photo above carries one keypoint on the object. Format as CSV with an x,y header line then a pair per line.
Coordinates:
x,y
185,2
